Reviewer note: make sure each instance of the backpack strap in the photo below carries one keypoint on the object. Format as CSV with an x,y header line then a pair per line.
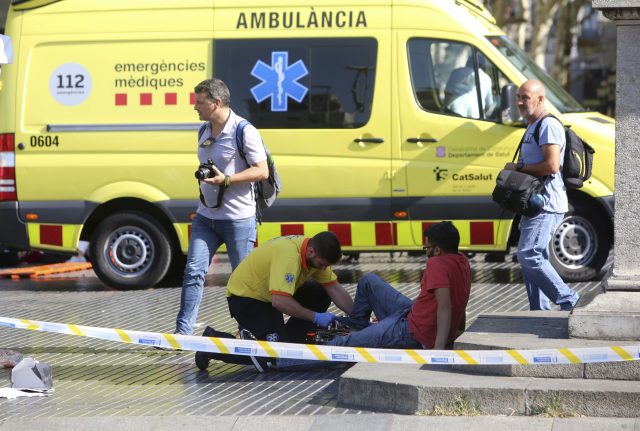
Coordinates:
x,y
201,131
240,139
536,131
536,136
240,145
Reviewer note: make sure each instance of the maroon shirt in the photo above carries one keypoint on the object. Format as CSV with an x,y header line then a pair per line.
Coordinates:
x,y
449,270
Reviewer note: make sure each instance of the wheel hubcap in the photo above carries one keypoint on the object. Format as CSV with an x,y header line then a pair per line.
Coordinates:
x,y
575,242
129,251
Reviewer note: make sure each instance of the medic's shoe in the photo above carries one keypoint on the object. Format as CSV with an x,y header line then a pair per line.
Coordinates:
x,y
261,363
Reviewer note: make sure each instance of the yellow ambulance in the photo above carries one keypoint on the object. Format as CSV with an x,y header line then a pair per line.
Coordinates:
x,y
383,116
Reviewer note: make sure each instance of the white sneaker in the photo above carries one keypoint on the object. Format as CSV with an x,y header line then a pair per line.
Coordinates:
x,y
77,258
261,364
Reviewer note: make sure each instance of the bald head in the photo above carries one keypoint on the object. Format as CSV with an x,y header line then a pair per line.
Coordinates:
x,y
534,86
530,98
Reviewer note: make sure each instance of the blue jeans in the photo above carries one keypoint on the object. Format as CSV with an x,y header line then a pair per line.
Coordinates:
x,y
541,280
390,307
206,237
392,330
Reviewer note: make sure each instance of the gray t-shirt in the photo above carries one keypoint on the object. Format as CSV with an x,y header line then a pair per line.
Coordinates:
x,y
551,133
238,200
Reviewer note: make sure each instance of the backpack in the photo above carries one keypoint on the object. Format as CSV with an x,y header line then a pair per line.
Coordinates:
x,y
578,156
265,191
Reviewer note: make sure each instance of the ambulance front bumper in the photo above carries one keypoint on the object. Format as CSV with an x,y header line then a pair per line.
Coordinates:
x,y
13,231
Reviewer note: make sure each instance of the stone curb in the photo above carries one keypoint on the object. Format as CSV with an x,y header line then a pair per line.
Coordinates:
x,y
414,389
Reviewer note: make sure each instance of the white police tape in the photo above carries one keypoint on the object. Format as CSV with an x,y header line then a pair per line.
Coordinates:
x,y
333,353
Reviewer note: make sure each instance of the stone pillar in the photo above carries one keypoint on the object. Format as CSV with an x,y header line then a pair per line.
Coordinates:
x,y
615,314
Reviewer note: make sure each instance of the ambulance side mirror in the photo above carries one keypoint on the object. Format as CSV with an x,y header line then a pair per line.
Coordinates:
x,y
508,106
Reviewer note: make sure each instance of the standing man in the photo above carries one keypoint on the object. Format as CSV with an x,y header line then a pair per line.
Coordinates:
x,y
289,275
230,219
542,159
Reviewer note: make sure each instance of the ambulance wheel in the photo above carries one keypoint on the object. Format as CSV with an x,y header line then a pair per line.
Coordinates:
x,y
176,268
580,246
129,250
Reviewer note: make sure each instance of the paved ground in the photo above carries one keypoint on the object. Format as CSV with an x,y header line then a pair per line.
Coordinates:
x,y
94,378
361,422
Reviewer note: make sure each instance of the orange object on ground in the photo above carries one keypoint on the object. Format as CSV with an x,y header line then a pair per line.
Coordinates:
x,y
40,270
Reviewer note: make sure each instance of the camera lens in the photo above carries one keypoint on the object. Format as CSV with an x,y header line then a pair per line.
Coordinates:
x,y
203,173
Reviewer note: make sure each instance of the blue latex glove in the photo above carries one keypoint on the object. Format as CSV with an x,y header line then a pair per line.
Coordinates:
x,y
323,319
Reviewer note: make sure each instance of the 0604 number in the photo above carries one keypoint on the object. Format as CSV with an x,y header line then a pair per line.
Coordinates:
x,y
44,141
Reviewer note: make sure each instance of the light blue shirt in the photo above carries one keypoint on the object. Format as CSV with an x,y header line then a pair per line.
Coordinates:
x,y
238,201
551,133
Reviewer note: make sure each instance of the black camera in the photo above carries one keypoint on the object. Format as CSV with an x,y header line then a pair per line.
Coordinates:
x,y
205,170
323,336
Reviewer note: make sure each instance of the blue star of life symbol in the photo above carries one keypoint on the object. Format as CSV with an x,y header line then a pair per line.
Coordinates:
x,y
279,80
289,278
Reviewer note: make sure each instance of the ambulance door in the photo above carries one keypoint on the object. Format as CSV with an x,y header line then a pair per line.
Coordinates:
x,y
322,106
452,141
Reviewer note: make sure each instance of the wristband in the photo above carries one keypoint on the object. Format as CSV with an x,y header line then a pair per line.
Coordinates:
x,y
227,181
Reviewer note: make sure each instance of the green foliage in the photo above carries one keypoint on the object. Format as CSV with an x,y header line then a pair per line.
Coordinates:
x,y
461,406
552,407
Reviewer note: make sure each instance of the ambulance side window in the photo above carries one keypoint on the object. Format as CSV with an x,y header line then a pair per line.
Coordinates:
x,y
314,83
454,78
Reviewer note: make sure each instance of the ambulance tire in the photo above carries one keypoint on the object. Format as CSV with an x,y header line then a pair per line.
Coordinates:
x,y
580,246
130,250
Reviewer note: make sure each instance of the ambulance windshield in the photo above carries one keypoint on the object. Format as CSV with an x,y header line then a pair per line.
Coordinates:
x,y
557,95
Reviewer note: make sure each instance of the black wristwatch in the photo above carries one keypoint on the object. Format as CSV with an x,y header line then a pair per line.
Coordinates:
x,y
519,165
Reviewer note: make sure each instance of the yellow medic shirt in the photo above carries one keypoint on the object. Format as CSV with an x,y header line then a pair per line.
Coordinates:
x,y
277,267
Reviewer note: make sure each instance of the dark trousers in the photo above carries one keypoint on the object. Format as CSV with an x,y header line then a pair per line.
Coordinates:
x,y
267,323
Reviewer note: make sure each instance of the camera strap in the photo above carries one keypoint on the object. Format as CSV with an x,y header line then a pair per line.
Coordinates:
x,y
221,190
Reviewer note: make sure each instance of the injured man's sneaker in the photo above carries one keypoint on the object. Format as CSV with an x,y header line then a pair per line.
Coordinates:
x,y
353,323
261,363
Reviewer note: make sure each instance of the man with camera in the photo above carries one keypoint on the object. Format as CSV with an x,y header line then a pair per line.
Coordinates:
x,y
227,210
542,159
